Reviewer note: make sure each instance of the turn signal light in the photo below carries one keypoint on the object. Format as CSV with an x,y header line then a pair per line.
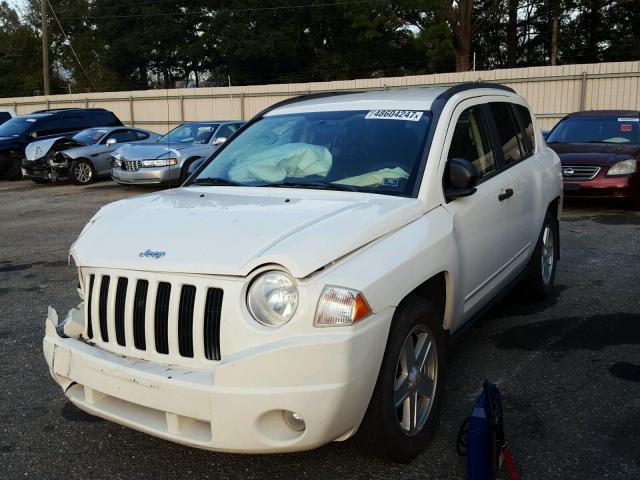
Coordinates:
x,y
339,307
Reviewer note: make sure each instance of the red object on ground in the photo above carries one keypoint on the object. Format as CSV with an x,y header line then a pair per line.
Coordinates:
x,y
508,462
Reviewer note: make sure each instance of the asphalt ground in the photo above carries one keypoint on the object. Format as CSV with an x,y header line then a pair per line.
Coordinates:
x,y
568,367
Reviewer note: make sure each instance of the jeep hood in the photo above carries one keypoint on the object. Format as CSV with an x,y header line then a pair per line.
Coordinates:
x,y
233,230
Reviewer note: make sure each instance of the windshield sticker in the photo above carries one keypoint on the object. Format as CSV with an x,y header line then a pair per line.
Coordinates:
x,y
390,182
626,127
409,115
629,119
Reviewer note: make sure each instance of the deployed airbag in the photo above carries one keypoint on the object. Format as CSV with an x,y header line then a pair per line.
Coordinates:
x,y
274,164
386,176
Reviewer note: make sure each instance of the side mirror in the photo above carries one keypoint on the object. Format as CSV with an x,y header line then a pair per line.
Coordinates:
x,y
461,178
219,140
111,141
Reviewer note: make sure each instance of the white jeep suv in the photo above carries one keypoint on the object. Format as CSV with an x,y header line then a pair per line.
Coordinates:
x,y
303,284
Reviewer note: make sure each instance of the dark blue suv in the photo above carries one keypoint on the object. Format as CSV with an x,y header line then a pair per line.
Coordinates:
x,y
19,131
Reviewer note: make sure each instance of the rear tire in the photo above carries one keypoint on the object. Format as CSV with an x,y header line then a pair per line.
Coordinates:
x,y
82,172
410,380
540,275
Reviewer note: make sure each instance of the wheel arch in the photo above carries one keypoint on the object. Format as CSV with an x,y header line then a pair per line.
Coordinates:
x,y
72,161
437,290
555,207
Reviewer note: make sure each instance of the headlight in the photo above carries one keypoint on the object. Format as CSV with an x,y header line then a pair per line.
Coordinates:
x,y
165,162
340,306
115,162
624,167
272,298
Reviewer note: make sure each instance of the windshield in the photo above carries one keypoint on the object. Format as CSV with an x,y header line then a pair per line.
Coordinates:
x,y
190,133
375,151
91,136
601,129
17,127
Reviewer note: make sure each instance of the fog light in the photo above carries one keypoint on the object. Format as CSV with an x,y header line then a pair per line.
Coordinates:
x,y
294,421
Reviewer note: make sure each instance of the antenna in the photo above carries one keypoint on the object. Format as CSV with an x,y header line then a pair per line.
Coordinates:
x,y
169,138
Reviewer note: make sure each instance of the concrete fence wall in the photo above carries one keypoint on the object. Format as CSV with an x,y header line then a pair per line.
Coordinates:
x,y
552,92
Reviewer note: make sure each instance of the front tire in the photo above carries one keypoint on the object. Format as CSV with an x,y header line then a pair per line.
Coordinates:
x,y
82,172
399,421
540,275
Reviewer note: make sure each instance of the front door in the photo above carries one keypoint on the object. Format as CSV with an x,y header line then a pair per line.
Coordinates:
x,y
483,229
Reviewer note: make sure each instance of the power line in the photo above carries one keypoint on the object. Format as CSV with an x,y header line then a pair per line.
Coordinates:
x,y
235,10
70,45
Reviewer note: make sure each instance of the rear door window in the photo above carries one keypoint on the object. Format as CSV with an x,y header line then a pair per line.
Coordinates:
x,y
122,136
226,130
509,133
4,116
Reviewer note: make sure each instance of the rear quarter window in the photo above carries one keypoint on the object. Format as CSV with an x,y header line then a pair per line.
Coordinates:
x,y
527,126
4,116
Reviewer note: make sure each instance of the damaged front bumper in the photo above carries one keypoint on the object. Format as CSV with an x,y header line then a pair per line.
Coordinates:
x,y
52,168
238,405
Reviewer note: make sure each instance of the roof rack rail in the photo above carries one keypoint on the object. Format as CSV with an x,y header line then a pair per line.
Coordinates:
x,y
62,109
462,87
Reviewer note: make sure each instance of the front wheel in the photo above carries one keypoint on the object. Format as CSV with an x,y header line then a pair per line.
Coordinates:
x,y
541,272
81,172
402,410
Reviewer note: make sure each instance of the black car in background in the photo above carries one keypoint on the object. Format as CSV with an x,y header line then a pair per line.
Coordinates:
x,y
18,132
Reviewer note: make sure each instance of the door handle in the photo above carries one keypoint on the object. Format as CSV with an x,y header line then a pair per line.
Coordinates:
x,y
506,194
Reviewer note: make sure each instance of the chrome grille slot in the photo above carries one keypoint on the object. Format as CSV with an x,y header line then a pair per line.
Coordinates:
x,y
162,317
121,296
139,309
132,165
212,313
579,172
159,317
185,320
90,300
102,312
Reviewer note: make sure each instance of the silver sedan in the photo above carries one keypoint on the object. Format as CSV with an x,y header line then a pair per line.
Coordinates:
x,y
82,157
170,159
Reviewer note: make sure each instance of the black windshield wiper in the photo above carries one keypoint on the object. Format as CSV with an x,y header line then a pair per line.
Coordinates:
x,y
316,185
216,181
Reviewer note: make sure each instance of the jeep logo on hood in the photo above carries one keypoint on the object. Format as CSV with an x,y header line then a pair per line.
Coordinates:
x,y
152,254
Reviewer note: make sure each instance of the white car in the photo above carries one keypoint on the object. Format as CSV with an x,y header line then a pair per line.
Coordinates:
x,y
303,285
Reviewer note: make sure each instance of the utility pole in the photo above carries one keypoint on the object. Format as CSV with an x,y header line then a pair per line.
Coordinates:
x,y
45,46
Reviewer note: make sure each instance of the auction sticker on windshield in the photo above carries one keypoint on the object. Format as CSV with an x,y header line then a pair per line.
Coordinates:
x,y
410,115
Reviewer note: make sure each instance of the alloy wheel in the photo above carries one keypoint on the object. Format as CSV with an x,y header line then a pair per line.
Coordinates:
x,y
547,257
83,172
416,380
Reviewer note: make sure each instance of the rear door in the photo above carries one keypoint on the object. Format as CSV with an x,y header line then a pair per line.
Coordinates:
x,y
483,225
